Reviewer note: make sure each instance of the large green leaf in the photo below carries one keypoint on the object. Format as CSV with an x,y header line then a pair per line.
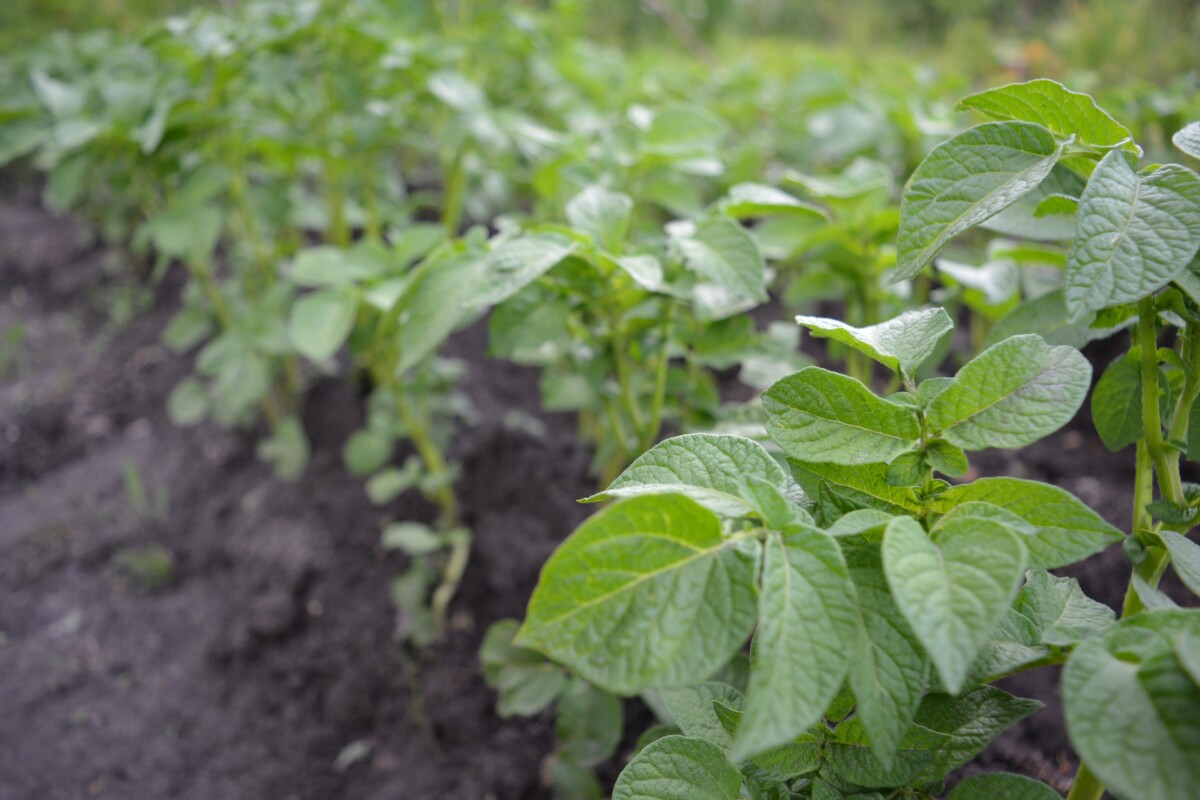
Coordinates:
x,y
516,263
321,322
1067,530
807,617
1135,234
902,343
721,251
1052,105
1011,395
822,416
707,467
1003,786
1132,709
888,669
966,180
679,768
1188,139
648,592
601,214
434,305
954,590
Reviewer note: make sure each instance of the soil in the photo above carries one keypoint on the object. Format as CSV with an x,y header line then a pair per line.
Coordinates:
x,y
268,648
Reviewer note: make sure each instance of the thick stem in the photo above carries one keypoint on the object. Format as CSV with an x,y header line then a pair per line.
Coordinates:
x,y
1086,786
1147,337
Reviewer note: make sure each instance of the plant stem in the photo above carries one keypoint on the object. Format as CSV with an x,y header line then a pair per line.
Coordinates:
x,y
435,463
1147,337
660,383
456,188
1086,786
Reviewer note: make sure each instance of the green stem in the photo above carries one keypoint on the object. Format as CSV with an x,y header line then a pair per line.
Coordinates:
x,y
1147,337
660,384
1086,786
456,189
435,464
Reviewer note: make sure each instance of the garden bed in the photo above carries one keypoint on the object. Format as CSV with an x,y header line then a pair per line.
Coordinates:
x,y
267,651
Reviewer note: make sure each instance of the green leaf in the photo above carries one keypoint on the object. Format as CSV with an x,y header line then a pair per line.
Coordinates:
x,y
1051,105
1067,529
679,768
850,758
1022,219
1057,204
1185,558
1133,710
526,682
888,669
321,322
516,263
721,251
434,305
1047,317
901,343
1135,234
412,538
818,415
1187,139
1117,404
589,723
188,403
646,270
966,180
387,485
648,592
602,215
366,451
954,590
800,756
709,468
907,469
947,459
682,131
1002,786
1060,613
572,781
807,621
326,266
1011,395
862,486
286,449
748,200
187,329
189,234
970,723
693,708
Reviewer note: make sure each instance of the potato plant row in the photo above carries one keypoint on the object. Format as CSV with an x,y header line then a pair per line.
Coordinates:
x,y
346,185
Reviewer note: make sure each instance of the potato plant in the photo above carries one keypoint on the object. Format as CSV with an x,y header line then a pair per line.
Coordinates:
x,y
883,600
605,314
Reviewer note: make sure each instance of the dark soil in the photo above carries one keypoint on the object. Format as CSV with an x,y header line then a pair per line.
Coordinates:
x,y
269,648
